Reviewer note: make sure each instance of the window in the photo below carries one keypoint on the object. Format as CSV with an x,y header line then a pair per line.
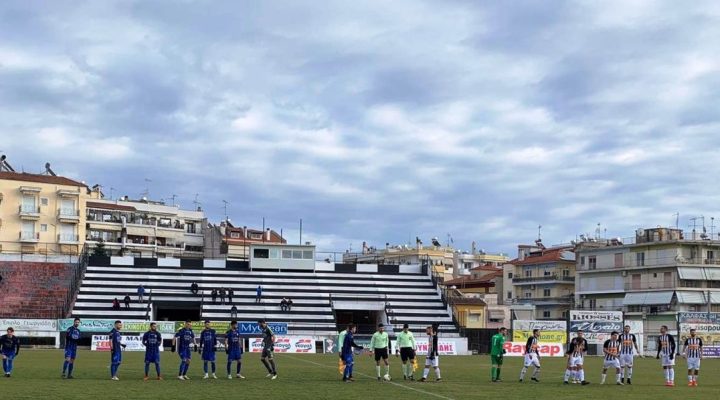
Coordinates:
x,y
274,253
592,262
582,261
546,292
256,236
566,272
640,259
467,265
528,273
528,295
564,314
509,295
546,314
307,255
234,235
43,227
547,273
297,254
618,260
261,253
474,317
287,254
190,227
44,201
510,275
710,255
593,304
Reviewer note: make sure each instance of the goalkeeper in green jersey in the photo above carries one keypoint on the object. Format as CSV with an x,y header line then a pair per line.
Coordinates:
x,y
496,354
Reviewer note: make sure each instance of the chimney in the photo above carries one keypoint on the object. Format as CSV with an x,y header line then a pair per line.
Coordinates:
x,y
365,248
244,232
456,264
267,234
474,248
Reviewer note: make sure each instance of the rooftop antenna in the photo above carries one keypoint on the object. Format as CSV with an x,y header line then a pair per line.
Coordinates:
x,y
712,227
173,197
694,225
112,189
597,231
225,204
677,220
539,233
196,203
146,193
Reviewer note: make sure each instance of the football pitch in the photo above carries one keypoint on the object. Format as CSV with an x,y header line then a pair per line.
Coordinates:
x,y
315,376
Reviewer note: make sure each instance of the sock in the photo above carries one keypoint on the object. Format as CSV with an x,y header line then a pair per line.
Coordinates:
x,y
581,375
65,365
387,369
426,372
690,378
522,373
205,363
618,377
113,369
181,368
267,366
629,373
498,373
667,374
239,366
213,367
567,375
157,368
71,366
672,374
602,378
147,368
272,364
377,369
536,373
493,371
437,372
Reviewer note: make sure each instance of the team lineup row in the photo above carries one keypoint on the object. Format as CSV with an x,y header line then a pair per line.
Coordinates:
x,y
618,352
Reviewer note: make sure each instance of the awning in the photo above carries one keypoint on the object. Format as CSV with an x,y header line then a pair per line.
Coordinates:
x,y
140,230
712,273
689,297
693,274
104,227
647,298
715,297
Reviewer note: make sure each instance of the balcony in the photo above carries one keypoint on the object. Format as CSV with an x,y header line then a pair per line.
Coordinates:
x,y
554,278
69,215
29,237
569,299
68,238
68,193
652,285
30,212
30,189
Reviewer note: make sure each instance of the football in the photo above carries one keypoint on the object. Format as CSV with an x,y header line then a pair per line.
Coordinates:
x,y
387,377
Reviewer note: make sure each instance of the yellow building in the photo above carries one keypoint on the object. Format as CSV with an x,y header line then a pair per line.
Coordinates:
x,y
41,213
469,312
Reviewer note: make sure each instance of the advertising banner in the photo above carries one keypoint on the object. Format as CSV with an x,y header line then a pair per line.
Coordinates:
x,y
707,326
29,325
105,325
244,327
597,325
517,349
131,342
550,331
711,351
286,344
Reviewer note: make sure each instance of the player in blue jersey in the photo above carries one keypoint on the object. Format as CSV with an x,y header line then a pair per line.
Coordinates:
x,y
72,336
116,347
152,340
347,352
208,347
183,341
9,349
234,350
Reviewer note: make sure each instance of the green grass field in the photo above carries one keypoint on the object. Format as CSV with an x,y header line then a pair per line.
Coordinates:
x,y
37,375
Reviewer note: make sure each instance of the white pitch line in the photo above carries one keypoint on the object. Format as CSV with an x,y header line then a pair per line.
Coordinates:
x,y
368,376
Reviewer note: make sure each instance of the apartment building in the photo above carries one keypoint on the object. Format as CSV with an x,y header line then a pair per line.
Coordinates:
x,y
226,240
145,228
651,276
41,213
541,277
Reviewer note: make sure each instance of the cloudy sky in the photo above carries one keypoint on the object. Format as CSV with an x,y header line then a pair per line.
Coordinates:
x,y
377,121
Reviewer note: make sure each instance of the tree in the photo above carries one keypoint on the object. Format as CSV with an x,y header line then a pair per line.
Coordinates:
x,y
99,250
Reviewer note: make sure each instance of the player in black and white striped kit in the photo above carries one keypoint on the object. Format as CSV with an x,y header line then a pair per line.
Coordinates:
x,y
628,349
611,348
532,356
693,354
666,347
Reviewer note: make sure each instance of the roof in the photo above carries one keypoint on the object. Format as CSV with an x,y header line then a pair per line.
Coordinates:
x,y
468,280
38,178
110,206
486,267
547,256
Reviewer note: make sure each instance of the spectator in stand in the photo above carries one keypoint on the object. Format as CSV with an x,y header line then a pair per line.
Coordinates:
x,y
115,304
283,304
141,293
258,294
233,312
214,294
230,295
289,304
194,288
222,295
127,301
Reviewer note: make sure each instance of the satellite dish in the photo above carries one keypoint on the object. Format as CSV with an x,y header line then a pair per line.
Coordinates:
x,y
640,232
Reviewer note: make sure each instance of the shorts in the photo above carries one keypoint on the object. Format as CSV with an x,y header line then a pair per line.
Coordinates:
x,y
208,356
381,354
576,361
267,353
666,361
612,364
185,354
152,357
532,359
626,360
407,353
235,355
496,360
71,353
693,363
115,357
432,362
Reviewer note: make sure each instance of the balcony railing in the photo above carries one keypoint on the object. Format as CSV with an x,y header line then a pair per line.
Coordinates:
x,y
536,300
652,285
68,237
29,236
553,277
69,212
28,209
